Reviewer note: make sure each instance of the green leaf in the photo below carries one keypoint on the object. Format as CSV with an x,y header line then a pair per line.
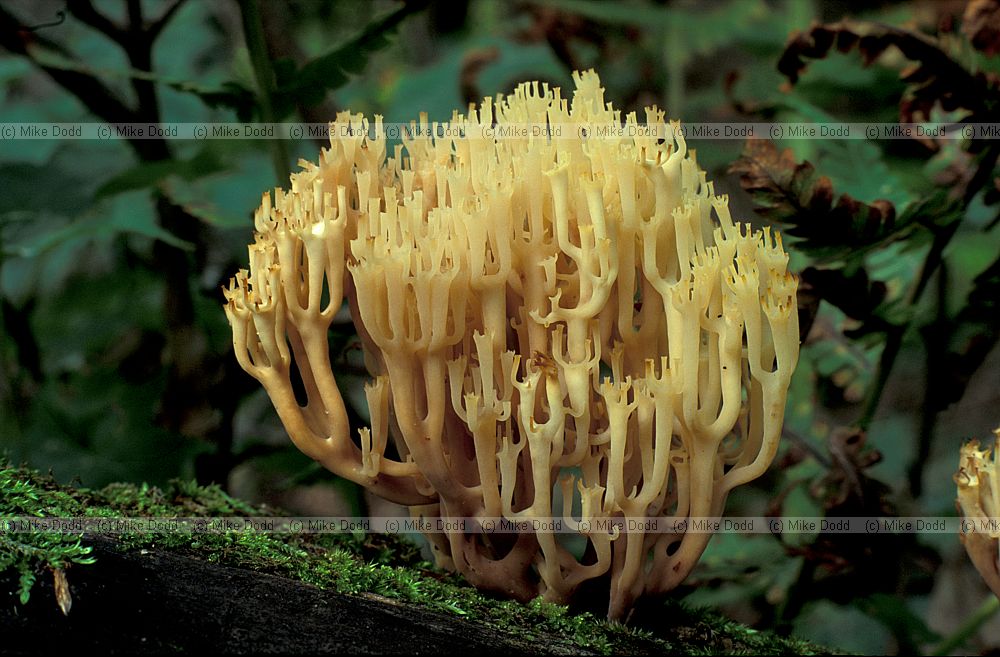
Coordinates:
x,y
128,212
854,166
895,614
231,94
799,503
149,174
309,84
823,620
187,196
735,569
796,195
846,367
939,210
25,582
225,198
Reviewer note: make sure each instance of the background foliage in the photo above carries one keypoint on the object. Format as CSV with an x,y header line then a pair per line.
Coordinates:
x,y
114,353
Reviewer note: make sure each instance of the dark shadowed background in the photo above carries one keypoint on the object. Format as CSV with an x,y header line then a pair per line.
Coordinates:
x,y
115,362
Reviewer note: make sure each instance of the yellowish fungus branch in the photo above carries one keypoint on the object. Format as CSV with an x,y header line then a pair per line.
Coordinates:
x,y
562,325
979,502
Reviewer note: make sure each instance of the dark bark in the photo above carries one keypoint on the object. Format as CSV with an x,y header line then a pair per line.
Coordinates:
x,y
154,602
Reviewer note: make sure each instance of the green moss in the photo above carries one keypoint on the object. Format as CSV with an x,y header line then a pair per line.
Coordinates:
x,y
352,564
27,553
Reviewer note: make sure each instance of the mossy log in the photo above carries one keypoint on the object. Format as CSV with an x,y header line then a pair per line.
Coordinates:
x,y
256,592
153,602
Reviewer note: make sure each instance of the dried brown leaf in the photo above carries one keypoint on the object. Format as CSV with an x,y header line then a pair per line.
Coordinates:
x,y
796,195
935,78
63,597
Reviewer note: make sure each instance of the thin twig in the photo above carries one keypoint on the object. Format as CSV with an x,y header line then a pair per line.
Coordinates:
x,y
805,444
932,337
98,98
153,29
84,11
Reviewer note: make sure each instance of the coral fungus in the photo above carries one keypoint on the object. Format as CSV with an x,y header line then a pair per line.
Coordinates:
x,y
561,323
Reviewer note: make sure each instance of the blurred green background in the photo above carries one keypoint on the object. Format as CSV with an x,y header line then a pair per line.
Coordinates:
x,y
115,360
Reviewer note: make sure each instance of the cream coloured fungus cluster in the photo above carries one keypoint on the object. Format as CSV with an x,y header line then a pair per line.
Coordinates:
x,y
557,326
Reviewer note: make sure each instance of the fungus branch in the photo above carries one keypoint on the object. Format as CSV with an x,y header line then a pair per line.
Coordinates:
x,y
979,502
555,322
